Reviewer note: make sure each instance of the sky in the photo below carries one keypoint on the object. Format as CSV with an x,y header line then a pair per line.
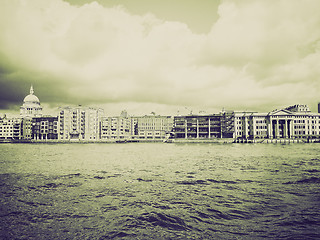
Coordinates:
x,y
160,56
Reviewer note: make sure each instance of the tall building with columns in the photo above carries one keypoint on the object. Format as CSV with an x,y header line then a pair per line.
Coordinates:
x,y
292,122
31,106
212,126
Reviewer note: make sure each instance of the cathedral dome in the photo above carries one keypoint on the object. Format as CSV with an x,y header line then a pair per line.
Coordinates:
x,y
31,106
31,98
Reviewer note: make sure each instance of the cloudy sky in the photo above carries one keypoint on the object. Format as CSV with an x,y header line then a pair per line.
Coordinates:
x,y
160,55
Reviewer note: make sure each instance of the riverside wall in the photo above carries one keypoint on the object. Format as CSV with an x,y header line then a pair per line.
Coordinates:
x,y
190,140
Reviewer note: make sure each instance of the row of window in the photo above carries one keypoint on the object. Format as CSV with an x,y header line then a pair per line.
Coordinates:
x,y
300,132
149,133
261,127
261,122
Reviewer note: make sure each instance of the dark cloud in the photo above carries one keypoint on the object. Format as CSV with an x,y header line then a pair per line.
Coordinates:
x,y
12,91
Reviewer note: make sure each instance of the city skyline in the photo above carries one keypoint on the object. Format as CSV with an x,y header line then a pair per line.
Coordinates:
x,y
159,56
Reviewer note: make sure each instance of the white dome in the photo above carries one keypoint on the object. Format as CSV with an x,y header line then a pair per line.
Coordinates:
x,y
31,99
31,105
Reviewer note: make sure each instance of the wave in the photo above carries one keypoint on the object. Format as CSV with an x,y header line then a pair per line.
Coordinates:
x,y
144,180
164,220
99,177
312,170
34,204
221,181
229,215
13,213
305,181
195,182
72,175
117,235
208,181
299,222
53,186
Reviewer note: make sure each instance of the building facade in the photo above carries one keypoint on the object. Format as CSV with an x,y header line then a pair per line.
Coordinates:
x,y
45,128
151,126
292,122
10,128
79,123
115,128
204,126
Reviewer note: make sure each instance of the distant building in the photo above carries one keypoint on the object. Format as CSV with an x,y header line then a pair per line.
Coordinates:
x,y
292,122
204,126
115,127
151,126
45,128
10,128
31,106
79,123
298,108
26,128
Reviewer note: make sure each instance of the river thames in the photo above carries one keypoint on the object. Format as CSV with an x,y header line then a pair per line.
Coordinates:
x,y
160,191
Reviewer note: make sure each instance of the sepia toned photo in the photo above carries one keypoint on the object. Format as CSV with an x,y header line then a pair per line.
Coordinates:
x,y
159,119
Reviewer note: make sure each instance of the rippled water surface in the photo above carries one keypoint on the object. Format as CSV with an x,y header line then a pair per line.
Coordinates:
x,y
159,191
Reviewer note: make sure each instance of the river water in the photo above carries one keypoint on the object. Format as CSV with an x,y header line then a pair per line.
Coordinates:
x,y
160,191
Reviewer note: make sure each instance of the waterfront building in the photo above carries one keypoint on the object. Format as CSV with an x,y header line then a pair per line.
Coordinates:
x,y
10,128
26,128
298,108
134,128
210,126
151,126
115,127
45,128
79,123
292,122
31,106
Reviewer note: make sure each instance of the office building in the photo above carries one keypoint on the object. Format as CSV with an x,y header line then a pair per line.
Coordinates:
x,y
210,126
115,128
10,128
26,128
45,128
151,126
79,123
